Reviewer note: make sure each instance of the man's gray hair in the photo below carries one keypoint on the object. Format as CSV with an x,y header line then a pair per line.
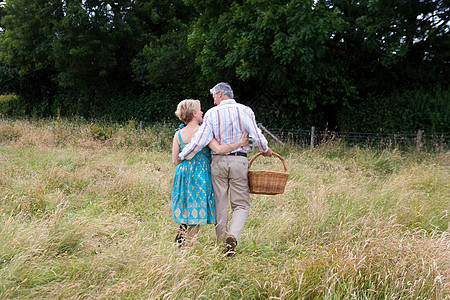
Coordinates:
x,y
224,87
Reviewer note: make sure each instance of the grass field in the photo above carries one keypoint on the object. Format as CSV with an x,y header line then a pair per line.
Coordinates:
x,y
85,214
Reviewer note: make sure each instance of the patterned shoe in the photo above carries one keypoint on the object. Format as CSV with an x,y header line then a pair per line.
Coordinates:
x,y
180,240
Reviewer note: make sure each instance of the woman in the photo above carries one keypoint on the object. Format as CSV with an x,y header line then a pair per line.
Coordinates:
x,y
192,192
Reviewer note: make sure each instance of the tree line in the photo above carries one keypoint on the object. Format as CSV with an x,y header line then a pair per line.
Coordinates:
x,y
341,64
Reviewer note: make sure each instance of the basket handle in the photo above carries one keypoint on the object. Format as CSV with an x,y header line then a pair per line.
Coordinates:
x,y
273,153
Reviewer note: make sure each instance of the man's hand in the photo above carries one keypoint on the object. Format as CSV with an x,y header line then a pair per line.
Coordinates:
x,y
268,152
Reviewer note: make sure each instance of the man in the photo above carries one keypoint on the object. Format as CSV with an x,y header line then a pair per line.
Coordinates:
x,y
227,122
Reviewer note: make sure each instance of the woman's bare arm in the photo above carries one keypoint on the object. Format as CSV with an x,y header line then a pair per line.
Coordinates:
x,y
175,150
225,148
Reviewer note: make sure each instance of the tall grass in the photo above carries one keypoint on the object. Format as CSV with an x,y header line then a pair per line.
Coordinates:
x,y
85,213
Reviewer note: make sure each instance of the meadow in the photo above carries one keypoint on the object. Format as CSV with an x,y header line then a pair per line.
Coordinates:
x,y
85,214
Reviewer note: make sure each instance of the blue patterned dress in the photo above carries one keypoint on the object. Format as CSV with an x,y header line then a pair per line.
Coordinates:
x,y
192,191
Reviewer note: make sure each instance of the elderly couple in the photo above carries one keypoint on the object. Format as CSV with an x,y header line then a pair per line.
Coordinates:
x,y
224,130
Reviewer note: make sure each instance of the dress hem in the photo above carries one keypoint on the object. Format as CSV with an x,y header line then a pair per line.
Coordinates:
x,y
195,222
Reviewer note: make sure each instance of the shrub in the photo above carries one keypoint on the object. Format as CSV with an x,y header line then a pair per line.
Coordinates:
x,y
6,103
98,132
8,133
405,112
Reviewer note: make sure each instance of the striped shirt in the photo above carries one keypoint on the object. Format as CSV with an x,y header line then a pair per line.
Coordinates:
x,y
226,122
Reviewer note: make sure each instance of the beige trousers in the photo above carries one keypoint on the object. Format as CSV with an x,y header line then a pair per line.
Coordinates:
x,y
229,176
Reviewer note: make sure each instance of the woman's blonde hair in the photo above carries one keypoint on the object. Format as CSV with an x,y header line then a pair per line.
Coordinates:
x,y
186,108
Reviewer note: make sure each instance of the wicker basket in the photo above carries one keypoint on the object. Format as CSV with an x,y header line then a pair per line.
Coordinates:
x,y
267,182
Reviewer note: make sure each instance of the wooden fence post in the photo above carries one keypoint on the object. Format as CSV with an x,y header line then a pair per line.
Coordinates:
x,y
270,133
419,139
312,137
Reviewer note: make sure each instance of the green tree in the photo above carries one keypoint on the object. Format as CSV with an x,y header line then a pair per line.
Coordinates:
x,y
168,64
276,44
97,40
81,48
326,54
2,14
390,45
26,48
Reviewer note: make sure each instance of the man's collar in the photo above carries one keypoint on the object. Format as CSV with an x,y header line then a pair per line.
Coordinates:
x,y
227,101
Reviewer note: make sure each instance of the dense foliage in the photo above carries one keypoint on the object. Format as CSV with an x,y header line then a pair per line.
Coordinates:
x,y
80,52
297,63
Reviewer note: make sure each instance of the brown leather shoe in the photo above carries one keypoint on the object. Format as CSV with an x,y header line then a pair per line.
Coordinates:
x,y
230,248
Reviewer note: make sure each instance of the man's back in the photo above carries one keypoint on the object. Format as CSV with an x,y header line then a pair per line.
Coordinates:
x,y
226,122
229,121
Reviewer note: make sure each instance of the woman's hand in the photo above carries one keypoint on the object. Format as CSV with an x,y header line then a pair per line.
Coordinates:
x,y
225,148
244,140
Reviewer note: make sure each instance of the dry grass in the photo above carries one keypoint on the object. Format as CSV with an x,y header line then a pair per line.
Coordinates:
x,y
85,214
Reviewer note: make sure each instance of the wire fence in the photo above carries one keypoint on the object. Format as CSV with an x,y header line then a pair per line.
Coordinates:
x,y
314,137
